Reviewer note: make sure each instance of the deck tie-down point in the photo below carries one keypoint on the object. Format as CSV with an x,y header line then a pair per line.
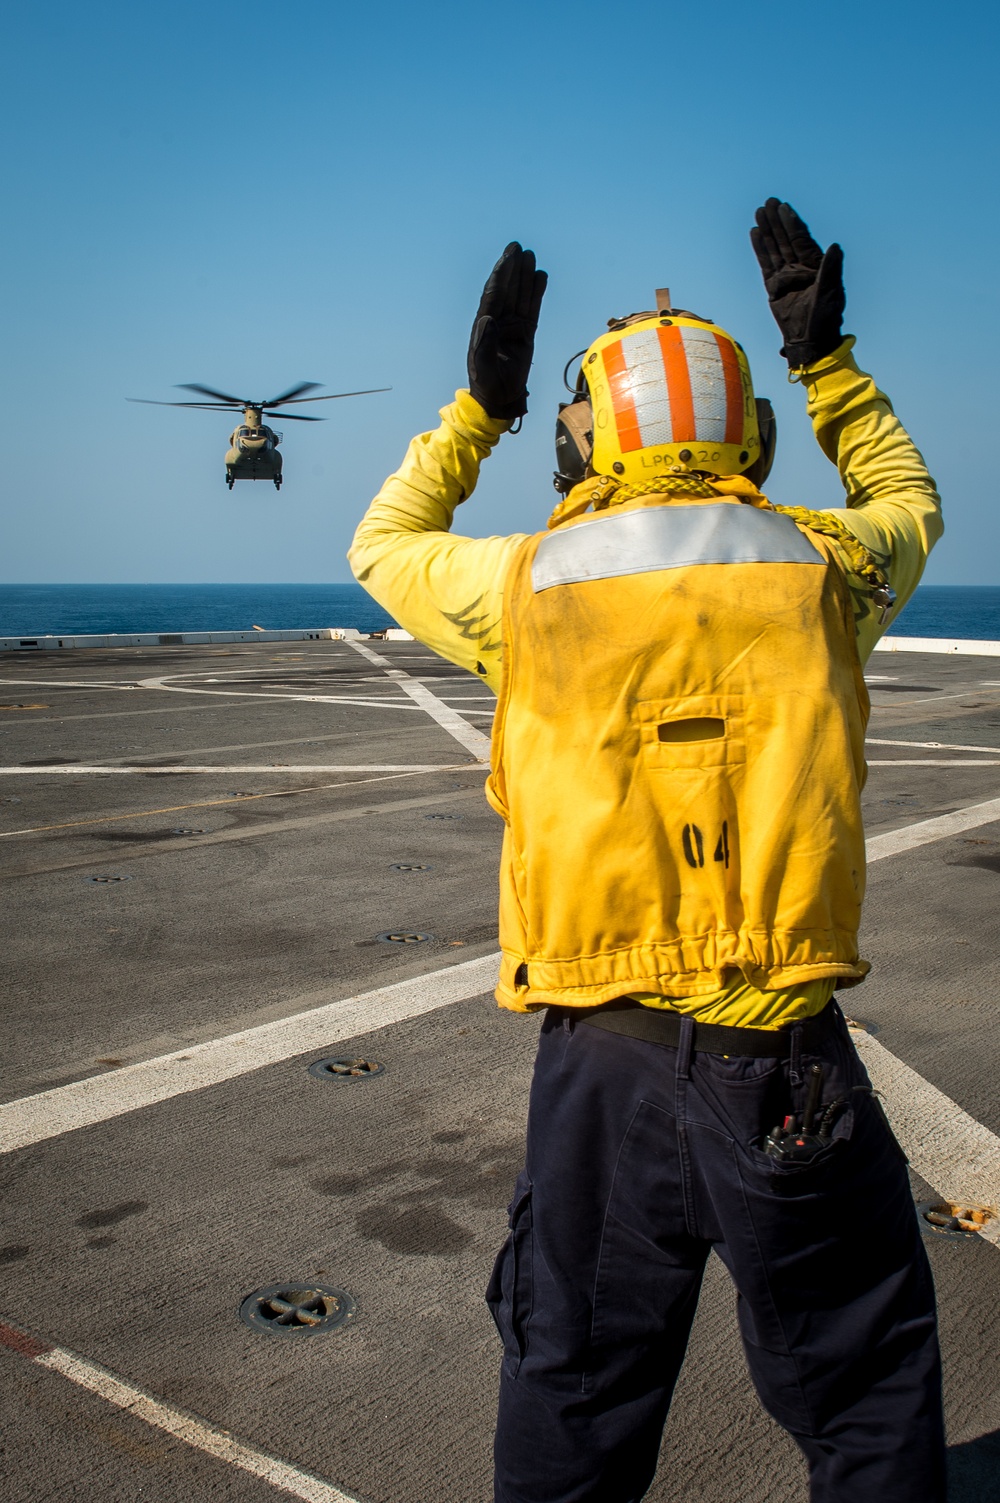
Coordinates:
x,y
442,816
107,879
342,1067
401,937
291,1309
184,830
947,1218
410,866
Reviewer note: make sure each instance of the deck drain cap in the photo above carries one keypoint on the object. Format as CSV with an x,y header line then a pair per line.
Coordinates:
x,y
343,1067
297,1309
107,879
183,830
947,1218
411,866
442,816
400,937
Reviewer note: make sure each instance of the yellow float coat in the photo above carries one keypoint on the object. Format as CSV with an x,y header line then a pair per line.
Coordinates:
x,y
448,590
678,754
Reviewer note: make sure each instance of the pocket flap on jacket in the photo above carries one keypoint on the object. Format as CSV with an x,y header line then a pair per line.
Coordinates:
x,y
695,731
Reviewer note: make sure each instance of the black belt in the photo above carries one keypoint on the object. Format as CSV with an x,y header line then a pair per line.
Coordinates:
x,y
657,1026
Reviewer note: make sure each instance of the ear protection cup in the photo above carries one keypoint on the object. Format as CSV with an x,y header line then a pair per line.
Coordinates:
x,y
574,442
767,426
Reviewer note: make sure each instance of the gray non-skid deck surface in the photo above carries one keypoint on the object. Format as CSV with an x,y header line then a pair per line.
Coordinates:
x,y
133,1242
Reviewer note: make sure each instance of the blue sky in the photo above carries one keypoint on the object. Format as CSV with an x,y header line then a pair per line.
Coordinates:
x,y
252,195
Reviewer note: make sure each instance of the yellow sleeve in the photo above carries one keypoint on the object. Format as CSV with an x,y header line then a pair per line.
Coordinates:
x,y
893,505
446,590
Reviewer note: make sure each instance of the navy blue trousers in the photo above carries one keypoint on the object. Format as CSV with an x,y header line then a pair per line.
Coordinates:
x,y
642,1158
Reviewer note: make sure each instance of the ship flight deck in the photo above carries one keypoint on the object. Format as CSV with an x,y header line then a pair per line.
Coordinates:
x,y
222,864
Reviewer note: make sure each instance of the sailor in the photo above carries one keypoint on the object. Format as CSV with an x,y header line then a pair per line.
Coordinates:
x,y
678,758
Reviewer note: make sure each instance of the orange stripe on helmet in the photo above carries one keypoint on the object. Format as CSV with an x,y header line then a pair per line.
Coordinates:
x,y
626,417
734,392
678,384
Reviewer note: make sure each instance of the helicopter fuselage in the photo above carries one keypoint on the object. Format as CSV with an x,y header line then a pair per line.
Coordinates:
x,y
253,451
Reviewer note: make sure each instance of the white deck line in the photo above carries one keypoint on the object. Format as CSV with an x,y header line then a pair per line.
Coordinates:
x,y
449,719
948,1148
280,767
188,1428
184,1427
878,847
965,647
371,703
67,683
930,745
933,762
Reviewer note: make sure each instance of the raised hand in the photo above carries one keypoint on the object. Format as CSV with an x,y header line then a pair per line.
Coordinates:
x,y
503,335
804,284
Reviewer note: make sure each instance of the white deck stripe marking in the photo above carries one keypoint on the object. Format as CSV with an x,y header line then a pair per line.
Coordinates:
x,y
160,767
932,745
32,1119
931,762
63,683
450,720
962,646
313,699
928,699
877,847
948,1148
187,1428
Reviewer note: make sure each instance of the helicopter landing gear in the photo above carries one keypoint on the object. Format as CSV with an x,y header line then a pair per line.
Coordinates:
x,y
277,482
230,480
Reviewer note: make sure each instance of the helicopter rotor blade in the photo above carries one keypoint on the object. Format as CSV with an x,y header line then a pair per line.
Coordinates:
x,y
202,406
294,391
335,394
293,417
206,391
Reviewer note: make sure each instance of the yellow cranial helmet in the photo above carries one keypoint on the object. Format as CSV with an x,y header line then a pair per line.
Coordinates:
x,y
668,393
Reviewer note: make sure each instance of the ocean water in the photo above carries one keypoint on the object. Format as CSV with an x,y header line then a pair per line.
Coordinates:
x,y
42,609
35,610
951,611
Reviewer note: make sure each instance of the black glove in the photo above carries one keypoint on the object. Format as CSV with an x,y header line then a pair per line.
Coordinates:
x,y
503,335
805,287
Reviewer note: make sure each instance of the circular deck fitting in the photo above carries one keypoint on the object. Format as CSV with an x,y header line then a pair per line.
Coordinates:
x,y
103,880
292,1309
13,799
235,793
183,830
342,1067
863,1025
442,816
410,866
947,1218
401,937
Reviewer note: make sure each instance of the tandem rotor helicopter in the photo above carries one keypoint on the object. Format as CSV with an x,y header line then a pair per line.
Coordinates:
x,y
253,446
